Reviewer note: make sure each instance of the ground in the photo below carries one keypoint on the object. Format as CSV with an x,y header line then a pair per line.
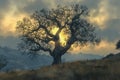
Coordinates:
x,y
104,69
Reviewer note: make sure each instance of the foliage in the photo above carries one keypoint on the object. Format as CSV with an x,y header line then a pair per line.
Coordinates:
x,y
56,30
118,45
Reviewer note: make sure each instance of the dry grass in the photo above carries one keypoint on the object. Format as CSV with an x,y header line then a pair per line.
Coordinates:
x,y
106,69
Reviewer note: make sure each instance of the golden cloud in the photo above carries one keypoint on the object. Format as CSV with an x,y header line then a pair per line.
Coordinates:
x,y
8,22
103,48
101,15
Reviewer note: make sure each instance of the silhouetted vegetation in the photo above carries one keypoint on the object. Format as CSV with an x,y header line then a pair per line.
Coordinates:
x,y
55,30
109,56
113,56
118,45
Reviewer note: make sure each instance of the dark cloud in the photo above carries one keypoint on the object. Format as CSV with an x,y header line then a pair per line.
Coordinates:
x,y
4,4
31,6
91,4
115,3
115,6
114,29
112,32
37,5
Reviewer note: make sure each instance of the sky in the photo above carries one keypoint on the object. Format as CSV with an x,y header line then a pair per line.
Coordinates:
x,y
105,14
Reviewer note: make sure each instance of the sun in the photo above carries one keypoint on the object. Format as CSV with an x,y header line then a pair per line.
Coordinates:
x,y
63,36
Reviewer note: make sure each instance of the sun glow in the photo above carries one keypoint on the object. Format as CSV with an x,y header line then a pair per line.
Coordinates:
x,y
54,30
63,37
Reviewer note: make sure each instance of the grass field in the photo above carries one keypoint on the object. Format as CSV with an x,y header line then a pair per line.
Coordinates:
x,y
104,69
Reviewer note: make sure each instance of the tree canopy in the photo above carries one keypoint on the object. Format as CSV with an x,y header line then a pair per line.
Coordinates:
x,y
56,30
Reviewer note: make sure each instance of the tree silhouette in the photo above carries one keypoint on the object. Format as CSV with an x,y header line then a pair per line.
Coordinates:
x,y
118,45
56,30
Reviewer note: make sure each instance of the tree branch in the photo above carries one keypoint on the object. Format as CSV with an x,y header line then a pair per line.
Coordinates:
x,y
46,30
39,46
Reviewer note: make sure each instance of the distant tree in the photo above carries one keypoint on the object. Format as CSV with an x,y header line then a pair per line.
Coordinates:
x,y
118,45
56,30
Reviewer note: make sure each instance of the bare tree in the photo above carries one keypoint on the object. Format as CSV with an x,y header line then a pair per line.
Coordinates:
x,y
56,30
118,45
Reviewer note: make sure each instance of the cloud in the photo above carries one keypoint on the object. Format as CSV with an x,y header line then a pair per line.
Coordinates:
x,y
14,10
104,13
4,4
112,32
101,15
105,47
9,20
17,9
114,8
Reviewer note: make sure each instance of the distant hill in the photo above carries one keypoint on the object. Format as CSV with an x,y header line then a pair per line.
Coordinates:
x,y
104,69
113,56
80,56
17,61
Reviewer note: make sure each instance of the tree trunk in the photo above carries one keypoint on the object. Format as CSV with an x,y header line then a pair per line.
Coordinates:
x,y
56,59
